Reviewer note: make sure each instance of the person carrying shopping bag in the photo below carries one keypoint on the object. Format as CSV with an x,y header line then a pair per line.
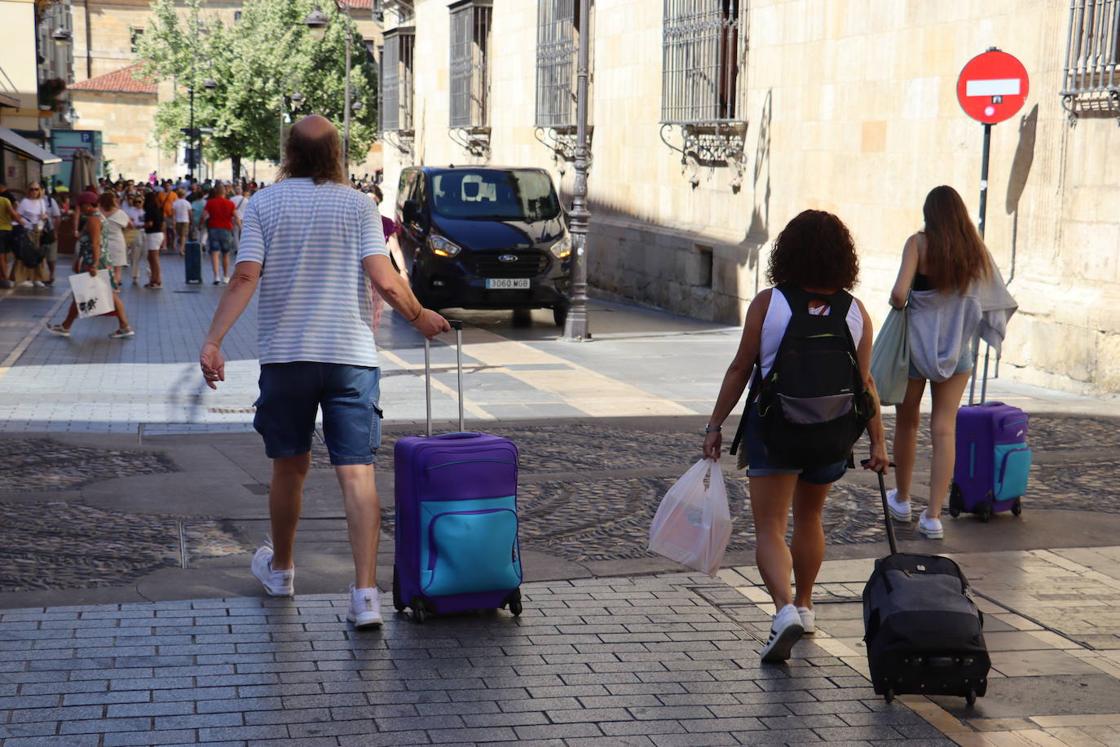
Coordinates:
x,y
796,446
93,257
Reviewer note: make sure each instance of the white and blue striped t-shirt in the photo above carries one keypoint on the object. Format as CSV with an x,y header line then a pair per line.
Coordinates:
x,y
314,296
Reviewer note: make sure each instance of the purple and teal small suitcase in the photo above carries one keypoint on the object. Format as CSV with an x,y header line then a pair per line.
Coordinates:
x,y
456,518
993,460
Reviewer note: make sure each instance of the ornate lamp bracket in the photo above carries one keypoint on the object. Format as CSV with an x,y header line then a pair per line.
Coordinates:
x,y
474,140
709,144
1099,103
403,140
562,142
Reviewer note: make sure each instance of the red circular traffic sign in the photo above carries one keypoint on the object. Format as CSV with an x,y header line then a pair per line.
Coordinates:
x,y
993,87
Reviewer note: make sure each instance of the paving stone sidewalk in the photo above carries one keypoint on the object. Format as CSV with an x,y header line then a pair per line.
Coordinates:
x,y
664,660
654,660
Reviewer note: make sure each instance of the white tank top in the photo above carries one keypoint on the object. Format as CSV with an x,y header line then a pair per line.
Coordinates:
x,y
777,319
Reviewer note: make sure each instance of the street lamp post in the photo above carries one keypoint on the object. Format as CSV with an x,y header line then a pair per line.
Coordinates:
x,y
190,138
576,326
296,98
194,136
317,22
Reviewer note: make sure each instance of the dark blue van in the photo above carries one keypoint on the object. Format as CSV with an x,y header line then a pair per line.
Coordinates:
x,y
482,237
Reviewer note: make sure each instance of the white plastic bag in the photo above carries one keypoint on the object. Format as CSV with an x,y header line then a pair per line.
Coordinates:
x,y
693,524
94,295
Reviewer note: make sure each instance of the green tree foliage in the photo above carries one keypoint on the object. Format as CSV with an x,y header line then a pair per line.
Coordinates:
x,y
257,63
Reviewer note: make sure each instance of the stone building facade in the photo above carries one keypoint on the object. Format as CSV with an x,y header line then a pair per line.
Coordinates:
x,y
717,121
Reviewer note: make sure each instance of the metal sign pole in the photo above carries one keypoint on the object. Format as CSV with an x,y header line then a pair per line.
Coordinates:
x,y
984,158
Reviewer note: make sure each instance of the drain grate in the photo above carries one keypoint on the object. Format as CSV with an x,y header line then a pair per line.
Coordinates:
x,y
231,410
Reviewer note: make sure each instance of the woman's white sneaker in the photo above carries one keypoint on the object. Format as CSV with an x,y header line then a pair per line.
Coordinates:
x,y
365,608
275,583
808,619
785,630
931,528
899,510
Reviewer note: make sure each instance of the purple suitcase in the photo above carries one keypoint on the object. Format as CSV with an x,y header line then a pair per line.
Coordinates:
x,y
456,518
993,460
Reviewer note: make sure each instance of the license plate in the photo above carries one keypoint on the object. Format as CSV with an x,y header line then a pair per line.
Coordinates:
x,y
507,283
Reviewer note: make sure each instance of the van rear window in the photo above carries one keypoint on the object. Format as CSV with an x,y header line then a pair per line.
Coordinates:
x,y
489,194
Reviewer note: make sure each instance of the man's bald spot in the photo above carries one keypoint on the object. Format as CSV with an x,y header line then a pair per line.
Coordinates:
x,y
314,127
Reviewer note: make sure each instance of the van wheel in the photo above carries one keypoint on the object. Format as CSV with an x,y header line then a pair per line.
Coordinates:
x,y
523,317
560,315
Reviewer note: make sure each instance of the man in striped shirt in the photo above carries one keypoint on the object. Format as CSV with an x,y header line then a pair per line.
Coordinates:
x,y
310,241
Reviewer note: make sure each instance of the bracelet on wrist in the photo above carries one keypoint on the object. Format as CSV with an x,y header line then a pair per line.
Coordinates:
x,y
709,428
418,315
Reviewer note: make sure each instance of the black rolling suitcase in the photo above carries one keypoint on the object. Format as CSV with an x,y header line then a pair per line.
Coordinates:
x,y
192,262
923,632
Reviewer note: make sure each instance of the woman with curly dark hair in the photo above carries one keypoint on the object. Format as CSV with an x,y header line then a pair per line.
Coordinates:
x,y
812,268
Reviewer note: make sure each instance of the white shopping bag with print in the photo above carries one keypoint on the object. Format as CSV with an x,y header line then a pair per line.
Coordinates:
x,y
693,524
94,295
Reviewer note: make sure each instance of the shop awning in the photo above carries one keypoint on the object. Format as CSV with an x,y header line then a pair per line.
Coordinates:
x,y
22,145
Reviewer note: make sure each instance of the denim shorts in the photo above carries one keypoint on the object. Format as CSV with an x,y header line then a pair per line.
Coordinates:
x,y
965,363
221,240
758,464
291,395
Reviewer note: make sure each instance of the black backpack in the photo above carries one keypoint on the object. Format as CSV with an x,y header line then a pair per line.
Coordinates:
x,y
812,404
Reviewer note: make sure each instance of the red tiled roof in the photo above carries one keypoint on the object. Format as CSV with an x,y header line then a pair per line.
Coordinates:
x,y
359,3
125,80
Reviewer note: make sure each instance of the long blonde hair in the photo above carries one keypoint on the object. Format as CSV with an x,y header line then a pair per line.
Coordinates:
x,y
955,253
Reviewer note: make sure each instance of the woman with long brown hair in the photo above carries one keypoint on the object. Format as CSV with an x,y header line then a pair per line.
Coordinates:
x,y
937,282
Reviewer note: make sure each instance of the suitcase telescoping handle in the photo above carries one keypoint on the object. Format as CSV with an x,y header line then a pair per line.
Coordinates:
x,y
886,509
458,327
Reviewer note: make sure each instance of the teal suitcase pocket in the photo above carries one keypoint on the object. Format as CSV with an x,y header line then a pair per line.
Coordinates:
x,y
1013,467
470,551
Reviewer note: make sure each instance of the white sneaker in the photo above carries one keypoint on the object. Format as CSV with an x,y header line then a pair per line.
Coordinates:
x,y
225,280
899,510
365,608
275,583
931,528
785,630
808,619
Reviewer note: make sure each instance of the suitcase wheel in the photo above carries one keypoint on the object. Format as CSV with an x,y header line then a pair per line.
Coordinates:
x,y
514,603
398,603
985,512
1017,507
955,501
888,695
420,611
970,698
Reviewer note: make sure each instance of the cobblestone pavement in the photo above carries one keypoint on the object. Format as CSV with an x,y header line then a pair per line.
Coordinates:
x,y
35,464
588,494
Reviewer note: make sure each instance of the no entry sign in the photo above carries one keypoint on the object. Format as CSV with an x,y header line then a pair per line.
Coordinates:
x,y
992,87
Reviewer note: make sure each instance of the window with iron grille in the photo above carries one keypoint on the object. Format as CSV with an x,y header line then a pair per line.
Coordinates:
x,y
470,52
704,61
1093,48
557,46
397,79
134,37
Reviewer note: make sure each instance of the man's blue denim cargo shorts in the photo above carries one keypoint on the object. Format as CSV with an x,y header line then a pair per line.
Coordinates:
x,y
220,240
291,395
758,465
